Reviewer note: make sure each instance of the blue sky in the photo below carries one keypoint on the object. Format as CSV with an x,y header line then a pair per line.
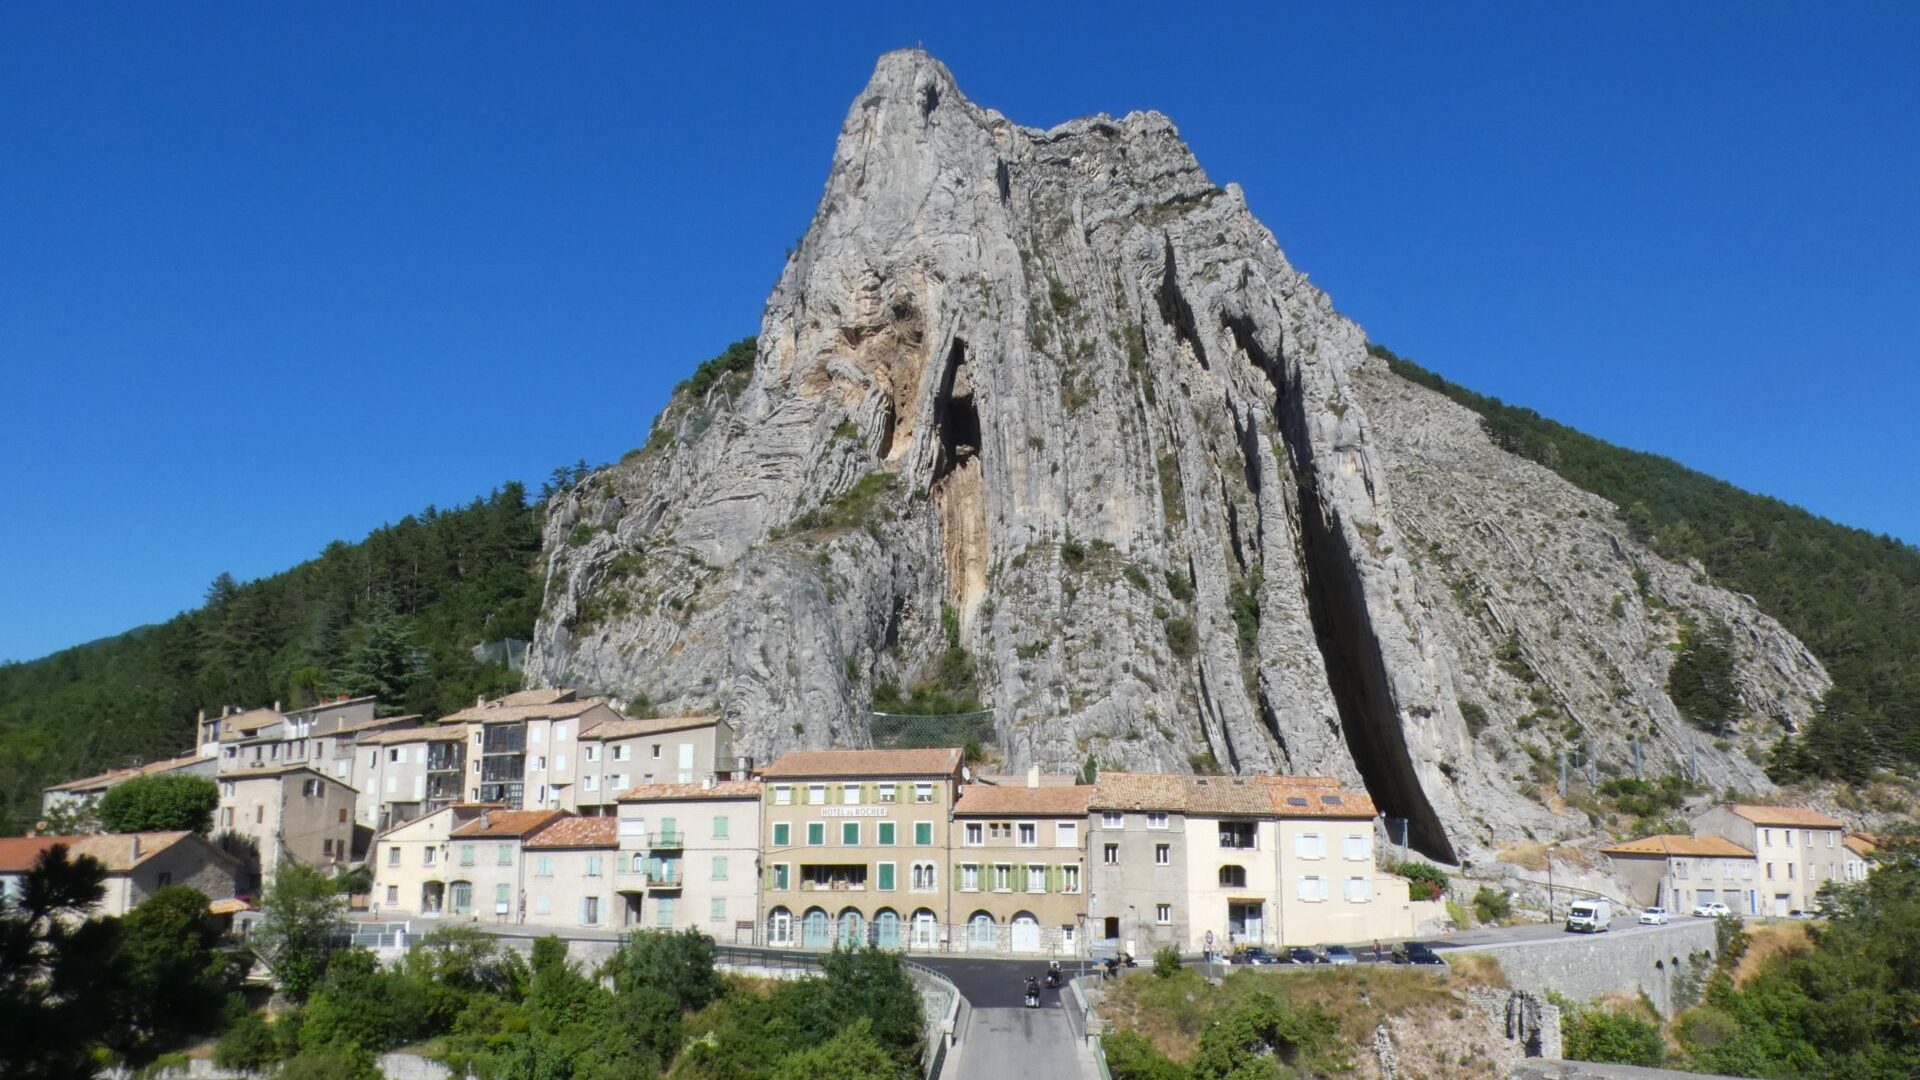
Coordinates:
x,y
272,275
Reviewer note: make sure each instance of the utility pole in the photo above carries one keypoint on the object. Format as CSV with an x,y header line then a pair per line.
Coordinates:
x,y
1635,739
1563,774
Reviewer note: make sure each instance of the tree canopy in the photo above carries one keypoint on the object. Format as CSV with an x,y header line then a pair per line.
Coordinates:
x,y
160,804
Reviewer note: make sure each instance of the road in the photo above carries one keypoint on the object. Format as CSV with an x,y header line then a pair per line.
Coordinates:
x,y
1004,1038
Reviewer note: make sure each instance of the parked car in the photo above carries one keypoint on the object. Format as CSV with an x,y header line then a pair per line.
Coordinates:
x,y
1419,953
1799,914
1300,954
1255,956
1715,910
1339,954
1653,916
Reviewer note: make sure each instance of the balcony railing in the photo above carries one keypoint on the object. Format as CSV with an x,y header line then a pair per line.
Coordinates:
x,y
663,877
664,838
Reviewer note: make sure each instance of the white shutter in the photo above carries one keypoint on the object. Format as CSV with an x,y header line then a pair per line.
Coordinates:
x,y
419,788
420,755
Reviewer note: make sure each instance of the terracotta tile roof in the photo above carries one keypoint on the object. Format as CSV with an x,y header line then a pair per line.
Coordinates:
x,y
991,799
1262,796
229,906
260,772
797,764
1796,817
409,720
115,776
1861,843
496,713
1676,844
116,850
625,728
1316,797
423,733
578,832
17,853
1139,791
533,697
722,789
508,823
251,720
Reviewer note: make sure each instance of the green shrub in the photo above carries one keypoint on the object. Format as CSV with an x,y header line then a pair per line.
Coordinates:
x,y
1180,637
1492,905
1166,962
1621,1038
1426,881
1475,716
1132,1056
160,804
1178,586
248,1045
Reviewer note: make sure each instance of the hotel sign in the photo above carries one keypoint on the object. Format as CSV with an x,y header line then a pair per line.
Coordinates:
x,y
854,811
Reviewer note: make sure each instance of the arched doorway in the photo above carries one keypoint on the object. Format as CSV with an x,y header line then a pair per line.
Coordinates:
x,y
926,929
852,928
432,895
982,934
813,929
780,927
1026,933
461,897
886,929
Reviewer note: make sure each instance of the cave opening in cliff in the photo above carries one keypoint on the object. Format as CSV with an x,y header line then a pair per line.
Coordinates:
x,y
1349,649
955,418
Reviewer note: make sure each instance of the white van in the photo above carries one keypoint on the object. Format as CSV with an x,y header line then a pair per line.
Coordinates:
x,y
1589,917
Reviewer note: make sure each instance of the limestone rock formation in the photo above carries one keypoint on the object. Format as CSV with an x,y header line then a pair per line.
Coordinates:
x,y
1057,399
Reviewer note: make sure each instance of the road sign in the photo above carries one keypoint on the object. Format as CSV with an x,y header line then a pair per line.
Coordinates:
x,y
1209,939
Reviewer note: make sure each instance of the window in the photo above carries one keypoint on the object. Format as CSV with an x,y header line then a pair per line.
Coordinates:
x,y
924,877
1036,878
593,866
393,755
1680,868
1111,855
426,856
850,834
1766,837
850,795
590,911
543,866
326,848
1354,847
591,783
1359,890
393,894
593,751
782,834
719,912
502,898
560,762
923,834
887,792
1309,846
1233,877
816,794
559,733
782,795
656,751
623,752
969,877
259,815
975,834
393,855
886,876
1027,834
719,868
536,734
617,782
504,854
1112,819
539,763
462,897
1830,837
466,854
1157,820
1237,835
1787,835
1163,913
781,872
816,833
1163,854
542,905
884,833
1002,877
720,827
226,816
1066,834
1790,870
923,793
1311,888
1769,871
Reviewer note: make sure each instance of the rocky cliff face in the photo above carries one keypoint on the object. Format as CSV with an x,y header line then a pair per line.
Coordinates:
x,y
1056,397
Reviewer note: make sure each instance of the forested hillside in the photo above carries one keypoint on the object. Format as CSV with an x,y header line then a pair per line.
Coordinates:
x,y
395,614
1851,596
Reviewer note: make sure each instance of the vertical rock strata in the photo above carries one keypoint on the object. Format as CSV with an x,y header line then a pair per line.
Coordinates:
x,y
1056,396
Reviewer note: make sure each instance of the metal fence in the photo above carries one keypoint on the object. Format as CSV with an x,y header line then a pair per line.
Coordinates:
x,y
903,731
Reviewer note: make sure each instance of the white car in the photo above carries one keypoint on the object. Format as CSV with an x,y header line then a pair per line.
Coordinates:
x,y
1715,910
1653,916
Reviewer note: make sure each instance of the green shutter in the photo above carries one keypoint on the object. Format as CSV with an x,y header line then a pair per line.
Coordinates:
x,y
886,876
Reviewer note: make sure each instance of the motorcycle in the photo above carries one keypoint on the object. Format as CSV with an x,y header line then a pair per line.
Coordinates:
x,y
1053,978
1033,994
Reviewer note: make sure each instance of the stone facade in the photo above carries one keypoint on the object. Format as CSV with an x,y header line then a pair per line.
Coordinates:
x,y
690,858
1795,850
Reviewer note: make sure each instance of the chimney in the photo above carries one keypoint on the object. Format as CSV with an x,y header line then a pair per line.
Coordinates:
x,y
707,784
276,704
479,700
1033,776
136,847
486,819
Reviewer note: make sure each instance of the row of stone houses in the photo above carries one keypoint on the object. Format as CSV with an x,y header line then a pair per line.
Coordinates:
x,y
314,785
1757,860
136,864
896,848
